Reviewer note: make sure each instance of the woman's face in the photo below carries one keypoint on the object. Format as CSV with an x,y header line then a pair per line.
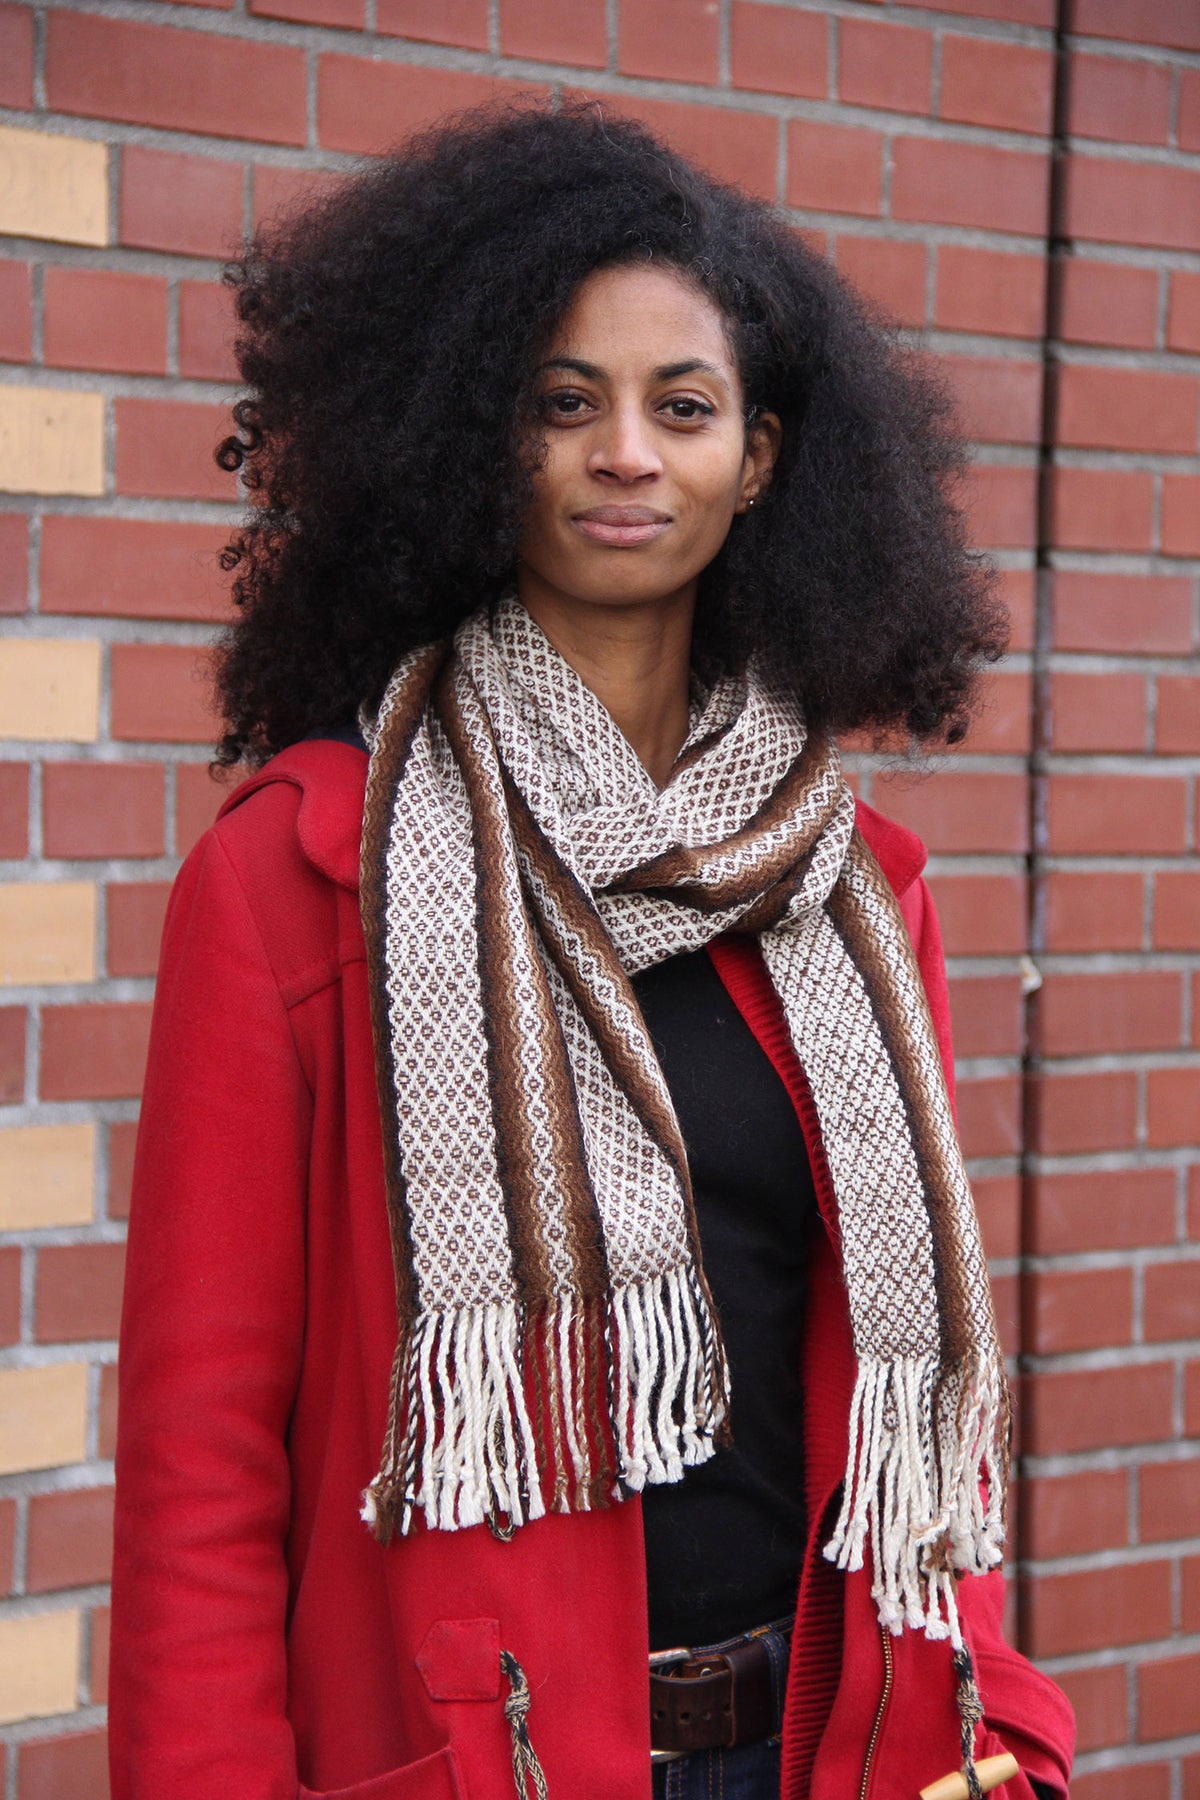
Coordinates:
x,y
647,453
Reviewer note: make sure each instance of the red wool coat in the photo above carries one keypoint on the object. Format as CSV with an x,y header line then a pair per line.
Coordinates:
x,y
265,1647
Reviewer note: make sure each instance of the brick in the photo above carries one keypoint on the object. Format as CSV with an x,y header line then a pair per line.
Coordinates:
x,y
74,1763
136,910
8,1533
959,811
1169,1500
16,308
12,1055
998,399
950,183
1190,1609
51,441
276,191
106,68
986,82
1091,1014
102,809
1133,1781
1073,1515
1079,1309
1108,303
100,1636
981,915
1097,712
106,1418
161,692
834,168
777,51
345,15
39,1665
1126,409
1104,1209
460,22
989,290
1075,1114
986,1014
188,204
54,187
998,1205
51,690
1006,1300
1000,502
165,449
889,66
1125,202
100,319
46,1175
70,1539
94,1051
364,105
890,272
1172,23
16,56
572,31
1168,1690
1193,1225
675,40
14,810
1129,615
1177,909
1100,1704
43,1425
198,799
14,562
10,1295
1172,1107
739,147
1091,911
1183,315
206,327
47,933
1177,725
78,1294
1172,1299
122,1141
1109,97
1101,509
1180,515
132,568
1097,1608
989,1116
1187,124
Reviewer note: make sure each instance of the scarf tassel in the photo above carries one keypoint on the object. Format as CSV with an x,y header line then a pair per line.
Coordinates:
x,y
913,1487
623,1393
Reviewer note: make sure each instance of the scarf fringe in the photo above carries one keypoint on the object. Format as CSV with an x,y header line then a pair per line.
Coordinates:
x,y
633,1393
924,1441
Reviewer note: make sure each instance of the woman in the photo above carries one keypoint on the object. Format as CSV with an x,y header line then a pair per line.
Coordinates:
x,y
592,506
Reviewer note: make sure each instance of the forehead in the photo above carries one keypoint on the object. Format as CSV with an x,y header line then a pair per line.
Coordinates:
x,y
640,315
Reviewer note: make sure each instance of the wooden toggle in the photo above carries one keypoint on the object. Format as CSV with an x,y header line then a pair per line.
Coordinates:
x,y
991,1770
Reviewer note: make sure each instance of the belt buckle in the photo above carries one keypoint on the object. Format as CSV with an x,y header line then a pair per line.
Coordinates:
x,y
662,1659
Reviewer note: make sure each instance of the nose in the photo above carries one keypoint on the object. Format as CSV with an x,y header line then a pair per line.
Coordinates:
x,y
623,447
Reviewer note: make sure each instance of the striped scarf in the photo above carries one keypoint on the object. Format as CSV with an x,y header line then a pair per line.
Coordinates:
x,y
558,1347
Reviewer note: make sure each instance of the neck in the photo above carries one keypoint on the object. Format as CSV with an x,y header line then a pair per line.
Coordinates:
x,y
636,660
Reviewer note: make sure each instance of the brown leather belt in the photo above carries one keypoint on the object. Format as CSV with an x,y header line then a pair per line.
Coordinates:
x,y
713,1700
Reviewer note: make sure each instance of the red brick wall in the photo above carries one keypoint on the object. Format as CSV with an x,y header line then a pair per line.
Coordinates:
x,y
1061,293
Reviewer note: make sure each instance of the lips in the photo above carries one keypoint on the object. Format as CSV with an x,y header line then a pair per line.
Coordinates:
x,y
621,527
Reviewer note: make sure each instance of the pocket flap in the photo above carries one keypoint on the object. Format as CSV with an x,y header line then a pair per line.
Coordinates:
x,y
460,1659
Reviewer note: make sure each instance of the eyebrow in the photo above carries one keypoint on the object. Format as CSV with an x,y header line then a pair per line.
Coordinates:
x,y
664,372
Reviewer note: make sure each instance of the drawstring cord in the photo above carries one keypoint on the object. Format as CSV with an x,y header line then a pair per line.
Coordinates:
x,y
526,1766
970,1712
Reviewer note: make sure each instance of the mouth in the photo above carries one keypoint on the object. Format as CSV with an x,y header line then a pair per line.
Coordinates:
x,y
621,527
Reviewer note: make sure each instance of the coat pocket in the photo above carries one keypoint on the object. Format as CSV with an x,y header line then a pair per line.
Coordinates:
x,y
435,1777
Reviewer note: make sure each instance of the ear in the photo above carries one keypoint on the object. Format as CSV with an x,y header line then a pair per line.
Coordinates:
x,y
763,439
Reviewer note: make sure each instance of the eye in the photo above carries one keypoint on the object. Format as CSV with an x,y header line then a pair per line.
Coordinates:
x,y
687,409
563,405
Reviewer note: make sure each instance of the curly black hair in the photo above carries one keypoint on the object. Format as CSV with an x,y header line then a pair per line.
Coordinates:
x,y
388,337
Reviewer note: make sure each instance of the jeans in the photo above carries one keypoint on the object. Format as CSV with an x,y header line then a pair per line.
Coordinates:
x,y
751,1772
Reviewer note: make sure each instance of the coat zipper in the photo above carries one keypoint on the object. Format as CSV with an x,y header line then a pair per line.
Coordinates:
x,y
879,1711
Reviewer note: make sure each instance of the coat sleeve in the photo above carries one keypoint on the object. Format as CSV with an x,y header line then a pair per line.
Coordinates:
x,y
1025,1711
211,1341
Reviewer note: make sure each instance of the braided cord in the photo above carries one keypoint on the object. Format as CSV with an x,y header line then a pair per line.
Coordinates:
x,y
970,1713
526,1767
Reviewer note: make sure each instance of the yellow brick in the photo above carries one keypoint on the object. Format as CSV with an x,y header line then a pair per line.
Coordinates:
x,y
43,1417
46,1176
50,689
51,441
39,1665
47,932
53,187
